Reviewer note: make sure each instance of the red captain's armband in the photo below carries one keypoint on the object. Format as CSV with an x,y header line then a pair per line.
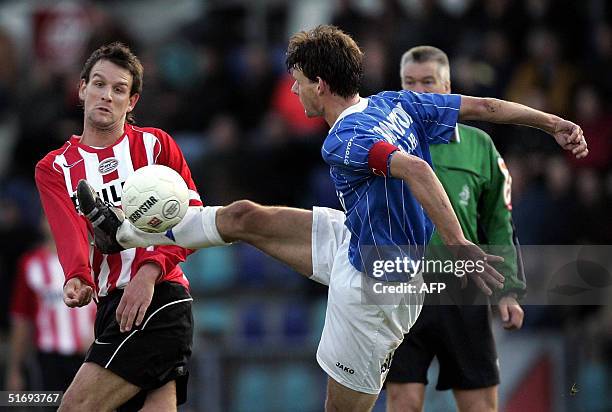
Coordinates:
x,y
378,157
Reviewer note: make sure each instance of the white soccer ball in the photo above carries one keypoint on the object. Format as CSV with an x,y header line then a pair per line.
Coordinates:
x,y
155,198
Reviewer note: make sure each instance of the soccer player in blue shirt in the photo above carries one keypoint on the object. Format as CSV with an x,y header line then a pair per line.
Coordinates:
x,y
378,152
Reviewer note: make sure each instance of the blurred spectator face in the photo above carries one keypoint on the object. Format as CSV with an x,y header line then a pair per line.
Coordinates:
x,y
106,97
308,93
543,46
587,103
603,40
558,176
425,77
589,186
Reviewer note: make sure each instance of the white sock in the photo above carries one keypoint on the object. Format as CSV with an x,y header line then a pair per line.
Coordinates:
x,y
197,230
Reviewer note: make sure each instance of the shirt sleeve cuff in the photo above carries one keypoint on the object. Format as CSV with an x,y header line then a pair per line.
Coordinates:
x,y
378,157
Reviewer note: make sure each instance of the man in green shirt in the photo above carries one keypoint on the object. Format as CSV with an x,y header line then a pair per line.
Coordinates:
x,y
478,184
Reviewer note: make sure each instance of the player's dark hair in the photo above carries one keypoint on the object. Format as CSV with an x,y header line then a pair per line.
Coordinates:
x,y
424,54
329,53
121,55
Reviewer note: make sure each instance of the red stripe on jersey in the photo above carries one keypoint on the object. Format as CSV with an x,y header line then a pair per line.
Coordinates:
x,y
114,266
104,154
77,172
48,306
138,152
378,157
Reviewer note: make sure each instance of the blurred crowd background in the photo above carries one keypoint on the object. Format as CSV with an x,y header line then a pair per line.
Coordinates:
x,y
215,80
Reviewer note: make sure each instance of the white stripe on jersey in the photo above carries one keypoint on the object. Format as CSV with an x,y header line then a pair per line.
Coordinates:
x,y
103,277
370,222
36,280
63,328
149,142
122,154
92,173
434,105
193,195
127,257
61,161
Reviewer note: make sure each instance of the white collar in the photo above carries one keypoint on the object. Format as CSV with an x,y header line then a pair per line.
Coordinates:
x,y
360,106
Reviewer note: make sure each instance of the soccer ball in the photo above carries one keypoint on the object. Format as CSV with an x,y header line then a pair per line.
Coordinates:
x,y
155,198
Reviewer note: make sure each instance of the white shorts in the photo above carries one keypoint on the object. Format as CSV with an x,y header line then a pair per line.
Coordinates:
x,y
358,340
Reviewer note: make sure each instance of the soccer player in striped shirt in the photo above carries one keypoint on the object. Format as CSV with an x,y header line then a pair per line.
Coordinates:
x,y
478,185
378,152
144,324
40,319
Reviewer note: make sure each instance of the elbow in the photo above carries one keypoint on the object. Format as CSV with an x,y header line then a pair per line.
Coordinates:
x,y
416,169
480,108
490,106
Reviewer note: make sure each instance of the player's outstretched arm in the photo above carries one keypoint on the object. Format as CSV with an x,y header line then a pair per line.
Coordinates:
x,y
567,134
428,190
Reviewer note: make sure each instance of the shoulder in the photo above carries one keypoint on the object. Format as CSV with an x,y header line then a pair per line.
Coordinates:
x,y
46,163
150,136
140,131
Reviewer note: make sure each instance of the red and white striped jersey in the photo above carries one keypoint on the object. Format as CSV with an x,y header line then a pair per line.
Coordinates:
x,y
38,297
106,169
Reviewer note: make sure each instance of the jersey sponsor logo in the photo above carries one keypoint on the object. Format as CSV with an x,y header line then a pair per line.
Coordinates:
x,y
143,208
107,166
110,192
395,127
344,368
171,209
347,152
464,195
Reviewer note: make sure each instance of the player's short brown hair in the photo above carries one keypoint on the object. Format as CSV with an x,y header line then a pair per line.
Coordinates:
x,y
424,54
121,55
329,53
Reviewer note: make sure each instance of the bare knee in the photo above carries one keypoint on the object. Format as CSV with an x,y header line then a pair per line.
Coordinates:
x,y
73,401
405,397
477,400
239,219
161,399
340,399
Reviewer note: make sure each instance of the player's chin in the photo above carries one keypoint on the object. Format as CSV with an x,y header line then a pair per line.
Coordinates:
x,y
102,120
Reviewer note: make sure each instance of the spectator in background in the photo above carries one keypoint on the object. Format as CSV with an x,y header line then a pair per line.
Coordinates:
x,y
596,120
543,70
39,318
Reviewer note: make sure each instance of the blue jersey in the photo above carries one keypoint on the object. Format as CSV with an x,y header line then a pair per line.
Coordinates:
x,y
381,213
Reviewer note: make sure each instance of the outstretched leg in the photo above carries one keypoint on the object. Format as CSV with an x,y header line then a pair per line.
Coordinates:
x,y
282,232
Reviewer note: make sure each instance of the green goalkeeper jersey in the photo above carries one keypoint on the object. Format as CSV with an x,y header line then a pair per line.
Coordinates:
x,y
478,185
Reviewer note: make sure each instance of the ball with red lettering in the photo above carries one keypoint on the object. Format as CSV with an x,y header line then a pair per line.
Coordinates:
x,y
155,198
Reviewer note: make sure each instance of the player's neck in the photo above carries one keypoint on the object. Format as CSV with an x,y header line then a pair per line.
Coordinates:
x,y
337,105
96,137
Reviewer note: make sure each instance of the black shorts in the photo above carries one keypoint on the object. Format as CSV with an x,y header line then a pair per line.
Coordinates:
x,y
156,352
460,337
